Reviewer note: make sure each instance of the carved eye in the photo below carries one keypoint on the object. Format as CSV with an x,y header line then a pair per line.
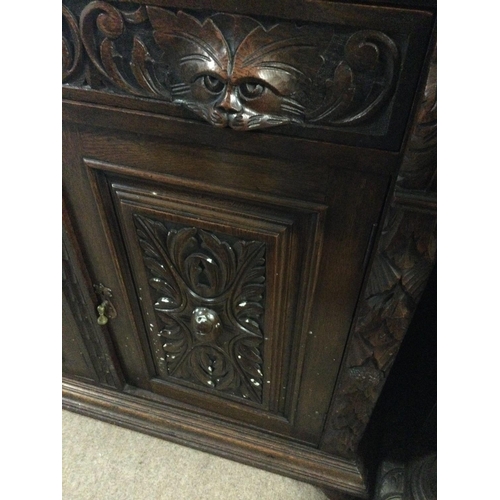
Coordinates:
x,y
251,90
213,84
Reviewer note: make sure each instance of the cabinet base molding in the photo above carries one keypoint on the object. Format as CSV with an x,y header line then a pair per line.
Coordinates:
x,y
337,495
213,435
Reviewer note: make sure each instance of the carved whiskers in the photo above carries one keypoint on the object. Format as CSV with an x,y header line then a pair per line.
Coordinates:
x,y
234,71
251,79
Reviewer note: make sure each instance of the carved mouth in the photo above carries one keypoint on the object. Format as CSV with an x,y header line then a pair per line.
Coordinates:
x,y
236,122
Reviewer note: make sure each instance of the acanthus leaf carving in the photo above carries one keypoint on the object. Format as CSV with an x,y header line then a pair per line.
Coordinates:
x,y
103,29
349,99
235,71
71,47
208,299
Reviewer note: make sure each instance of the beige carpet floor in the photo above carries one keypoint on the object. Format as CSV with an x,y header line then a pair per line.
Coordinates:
x,y
106,462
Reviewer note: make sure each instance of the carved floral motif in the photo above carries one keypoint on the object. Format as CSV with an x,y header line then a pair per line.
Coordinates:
x,y
209,304
235,71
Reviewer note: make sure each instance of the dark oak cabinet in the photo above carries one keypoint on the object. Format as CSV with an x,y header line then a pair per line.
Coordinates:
x,y
248,220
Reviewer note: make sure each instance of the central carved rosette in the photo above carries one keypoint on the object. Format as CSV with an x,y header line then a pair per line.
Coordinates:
x,y
205,324
208,293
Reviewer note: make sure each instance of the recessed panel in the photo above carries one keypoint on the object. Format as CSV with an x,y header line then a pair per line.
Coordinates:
x,y
223,286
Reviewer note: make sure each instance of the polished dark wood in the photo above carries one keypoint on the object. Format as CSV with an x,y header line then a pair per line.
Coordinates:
x,y
403,261
86,353
249,73
336,495
236,72
245,293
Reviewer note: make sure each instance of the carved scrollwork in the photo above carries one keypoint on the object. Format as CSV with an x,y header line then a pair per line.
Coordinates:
x,y
255,77
234,71
208,301
120,55
71,46
362,81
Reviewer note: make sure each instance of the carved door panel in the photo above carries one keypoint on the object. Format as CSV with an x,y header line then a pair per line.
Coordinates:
x,y
215,285
221,285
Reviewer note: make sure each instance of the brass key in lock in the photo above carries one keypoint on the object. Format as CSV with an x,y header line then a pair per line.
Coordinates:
x,y
105,309
101,309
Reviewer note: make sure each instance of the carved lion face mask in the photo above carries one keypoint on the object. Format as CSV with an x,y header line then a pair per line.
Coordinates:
x,y
251,78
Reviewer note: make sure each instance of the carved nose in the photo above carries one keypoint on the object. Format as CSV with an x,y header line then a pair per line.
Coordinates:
x,y
229,102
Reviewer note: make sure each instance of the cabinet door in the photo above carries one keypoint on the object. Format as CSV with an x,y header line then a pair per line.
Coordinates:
x,y
214,282
85,351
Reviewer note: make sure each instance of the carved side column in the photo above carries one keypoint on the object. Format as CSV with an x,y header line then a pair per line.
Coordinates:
x,y
404,258
414,481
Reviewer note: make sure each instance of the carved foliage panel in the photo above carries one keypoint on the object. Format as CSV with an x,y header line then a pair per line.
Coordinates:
x,y
208,292
235,71
219,291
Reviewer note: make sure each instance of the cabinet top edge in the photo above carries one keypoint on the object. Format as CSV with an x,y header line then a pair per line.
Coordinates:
x,y
307,10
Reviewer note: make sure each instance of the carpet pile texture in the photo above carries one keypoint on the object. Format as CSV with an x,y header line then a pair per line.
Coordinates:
x,y
102,461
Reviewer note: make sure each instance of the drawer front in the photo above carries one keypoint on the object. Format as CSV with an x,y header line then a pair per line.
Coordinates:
x,y
320,70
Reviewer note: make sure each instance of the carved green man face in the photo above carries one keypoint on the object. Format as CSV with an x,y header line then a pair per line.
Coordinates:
x,y
248,80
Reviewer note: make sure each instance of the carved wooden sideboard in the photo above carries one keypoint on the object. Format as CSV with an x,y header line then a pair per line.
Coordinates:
x,y
248,220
